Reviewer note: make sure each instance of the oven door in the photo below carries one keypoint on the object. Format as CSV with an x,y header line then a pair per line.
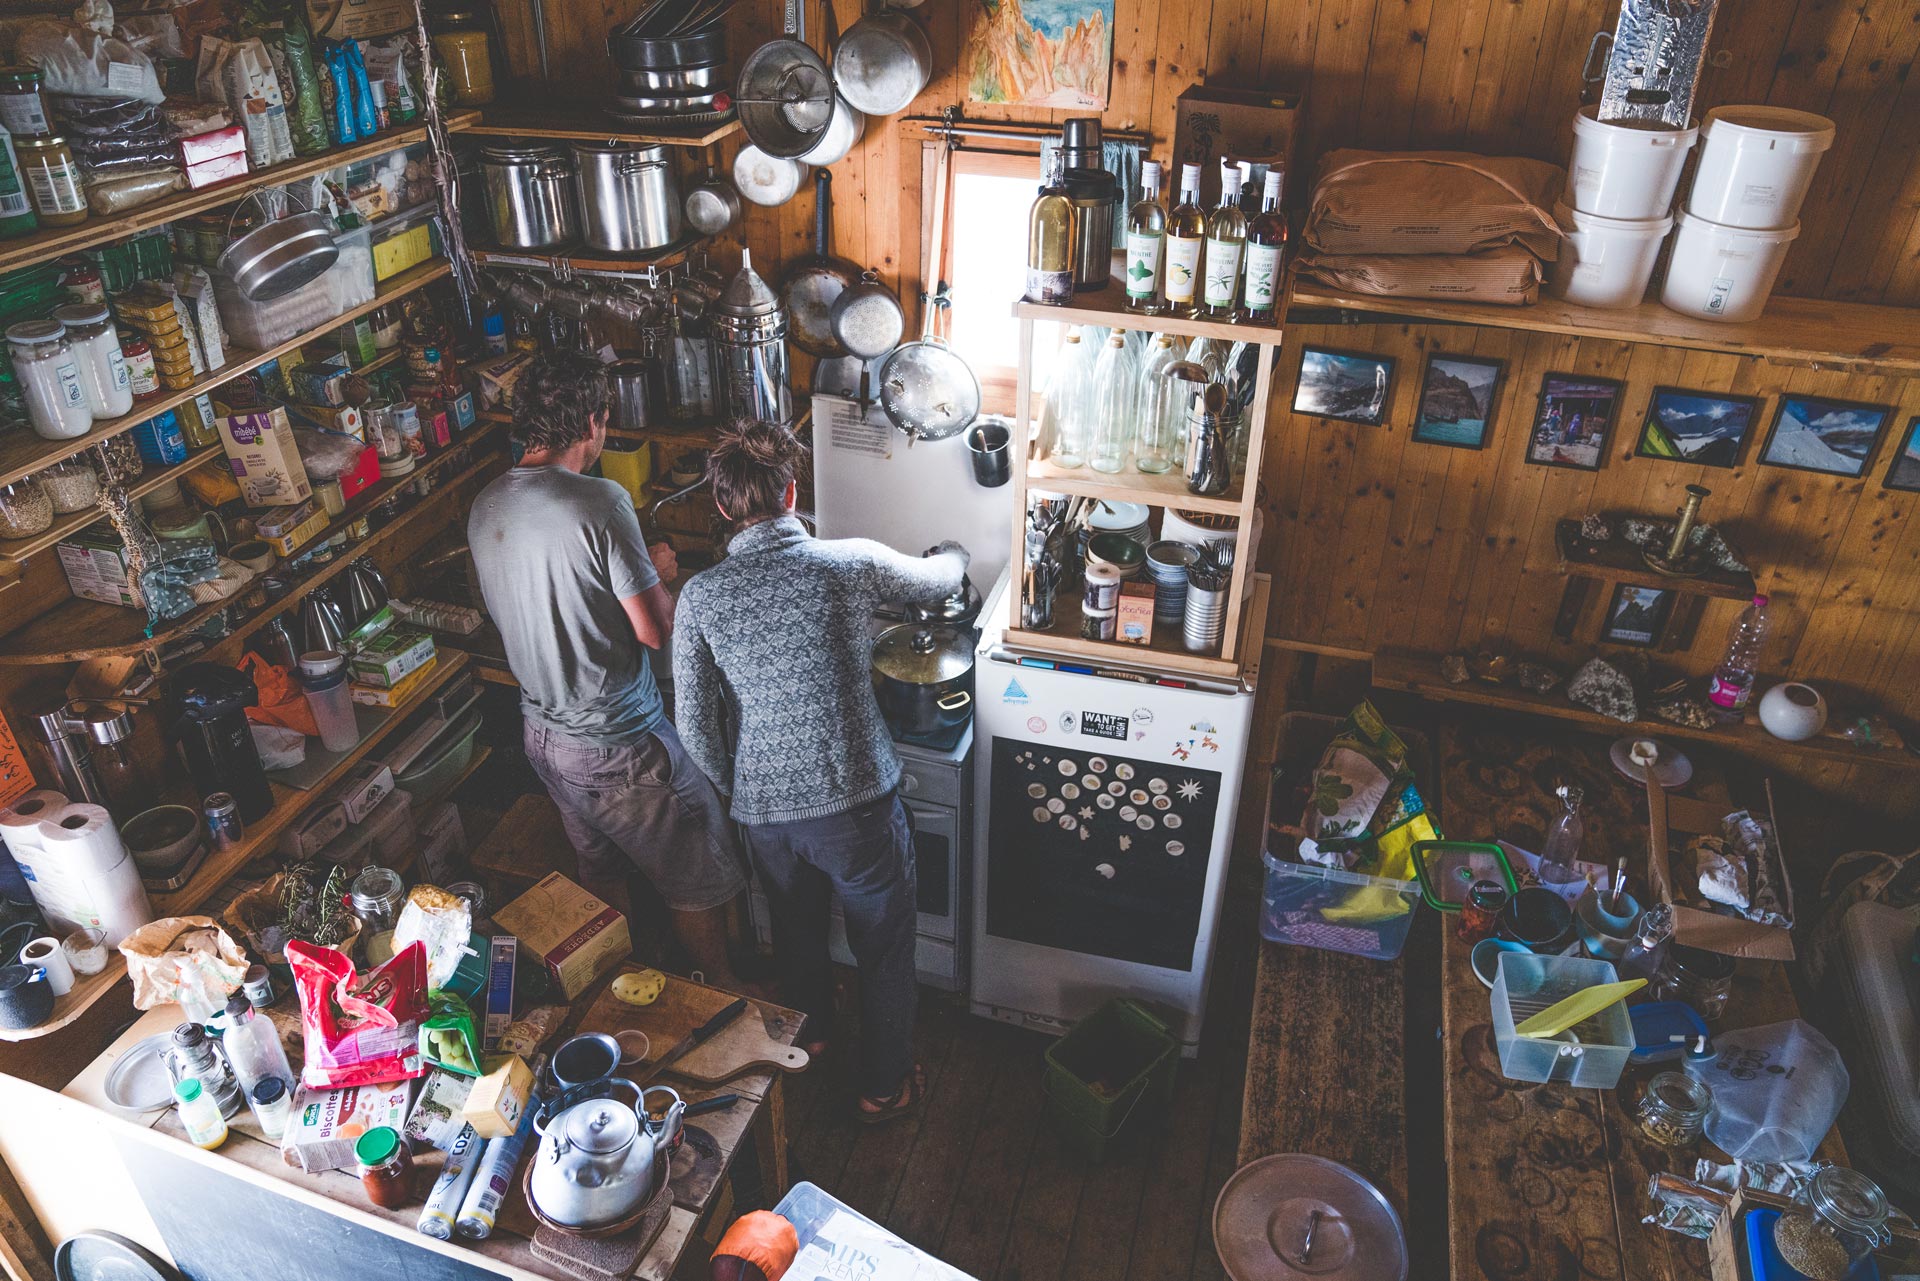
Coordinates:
x,y
936,859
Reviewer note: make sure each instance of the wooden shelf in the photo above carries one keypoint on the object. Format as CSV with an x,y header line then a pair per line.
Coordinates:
x,y
1618,561
572,122
1167,650
1420,674
1169,489
22,453
17,550
117,629
583,259
1795,331
53,242
1108,309
222,865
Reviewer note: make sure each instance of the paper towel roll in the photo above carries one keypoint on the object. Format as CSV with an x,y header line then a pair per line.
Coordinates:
x,y
83,875
20,821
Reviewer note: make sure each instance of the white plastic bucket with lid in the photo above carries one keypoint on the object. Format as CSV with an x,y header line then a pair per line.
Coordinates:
x,y
1756,164
1723,273
1624,168
1605,262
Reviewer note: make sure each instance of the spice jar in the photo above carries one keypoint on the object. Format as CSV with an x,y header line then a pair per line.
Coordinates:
x,y
1480,911
53,179
23,108
96,350
272,1107
1673,1110
460,40
1842,1220
25,509
386,1167
142,374
49,375
71,484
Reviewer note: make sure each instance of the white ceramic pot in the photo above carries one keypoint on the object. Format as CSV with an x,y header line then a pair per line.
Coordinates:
x,y
1793,712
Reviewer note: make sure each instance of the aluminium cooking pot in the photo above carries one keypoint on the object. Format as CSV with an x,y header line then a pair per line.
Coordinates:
x,y
883,63
530,195
923,676
629,197
278,257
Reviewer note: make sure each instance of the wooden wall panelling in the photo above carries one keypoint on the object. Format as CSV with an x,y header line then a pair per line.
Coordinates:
x,y
1868,264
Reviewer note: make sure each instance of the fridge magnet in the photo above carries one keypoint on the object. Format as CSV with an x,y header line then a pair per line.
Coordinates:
x,y
1571,423
1457,395
1811,433
1696,427
1905,471
1637,615
1040,53
1347,386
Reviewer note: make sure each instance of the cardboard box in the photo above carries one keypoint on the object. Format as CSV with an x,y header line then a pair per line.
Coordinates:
x,y
292,528
265,459
576,936
499,1098
1133,618
391,656
364,787
326,1123
1239,124
502,953
212,145
395,695
96,566
366,469
1670,819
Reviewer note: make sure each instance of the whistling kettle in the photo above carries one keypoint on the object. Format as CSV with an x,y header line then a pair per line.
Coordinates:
x,y
596,1164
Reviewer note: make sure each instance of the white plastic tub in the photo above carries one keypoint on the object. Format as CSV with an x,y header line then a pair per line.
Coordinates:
x,y
1624,168
1605,262
1756,164
1723,273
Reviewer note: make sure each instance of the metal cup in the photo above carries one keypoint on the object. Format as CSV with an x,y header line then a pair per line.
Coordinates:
x,y
990,449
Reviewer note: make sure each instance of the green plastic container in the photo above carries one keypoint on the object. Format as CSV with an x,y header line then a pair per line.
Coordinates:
x,y
1110,1079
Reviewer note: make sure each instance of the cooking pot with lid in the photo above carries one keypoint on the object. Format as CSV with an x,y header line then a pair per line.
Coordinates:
x,y
957,610
530,195
629,197
923,677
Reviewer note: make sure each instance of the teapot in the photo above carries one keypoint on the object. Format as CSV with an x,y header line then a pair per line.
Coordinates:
x,y
599,1161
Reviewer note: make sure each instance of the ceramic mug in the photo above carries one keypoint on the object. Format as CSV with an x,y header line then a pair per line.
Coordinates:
x,y
26,998
254,554
45,953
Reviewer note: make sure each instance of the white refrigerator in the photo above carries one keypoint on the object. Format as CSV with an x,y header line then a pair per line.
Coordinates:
x,y
1104,802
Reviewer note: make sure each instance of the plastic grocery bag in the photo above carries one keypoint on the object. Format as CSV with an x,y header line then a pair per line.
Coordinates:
x,y
1776,1091
79,61
359,1029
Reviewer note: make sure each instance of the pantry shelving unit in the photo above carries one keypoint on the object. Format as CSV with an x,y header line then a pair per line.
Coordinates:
x,y
1167,491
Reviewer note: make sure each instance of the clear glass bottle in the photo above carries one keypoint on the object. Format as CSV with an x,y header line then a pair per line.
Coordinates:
x,y
252,1043
1050,238
1563,841
1063,418
1155,439
199,1114
1146,239
1226,236
1186,238
1266,252
1113,406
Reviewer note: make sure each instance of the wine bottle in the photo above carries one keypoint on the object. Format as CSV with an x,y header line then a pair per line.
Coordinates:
x,y
1266,251
1226,235
1186,234
1146,237
1050,239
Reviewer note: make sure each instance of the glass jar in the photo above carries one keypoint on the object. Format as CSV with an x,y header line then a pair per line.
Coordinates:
x,y
71,484
386,327
23,108
386,1167
1480,910
1843,1220
272,1106
52,177
25,509
1701,979
96,350
376,896
142,374
120,459
1673,1110
460,40
83,285
49,375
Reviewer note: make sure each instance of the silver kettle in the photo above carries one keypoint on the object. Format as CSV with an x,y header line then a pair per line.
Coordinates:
x,y
320,623
597,1163
366,592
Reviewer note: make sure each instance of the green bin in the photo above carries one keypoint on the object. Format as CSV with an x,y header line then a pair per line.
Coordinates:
x,y
1110,1078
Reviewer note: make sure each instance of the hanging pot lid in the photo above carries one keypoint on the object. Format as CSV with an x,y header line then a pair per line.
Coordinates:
x,y
106,1256
748,293
601,1127
1293,1216
923,653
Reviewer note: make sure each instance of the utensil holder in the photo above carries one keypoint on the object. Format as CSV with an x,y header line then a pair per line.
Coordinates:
x,y
1205,617
990,450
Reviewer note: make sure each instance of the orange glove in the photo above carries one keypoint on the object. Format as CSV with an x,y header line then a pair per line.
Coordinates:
x,y
759,1244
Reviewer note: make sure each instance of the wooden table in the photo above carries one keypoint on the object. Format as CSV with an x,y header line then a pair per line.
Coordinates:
x,y
1546,1180
250,1157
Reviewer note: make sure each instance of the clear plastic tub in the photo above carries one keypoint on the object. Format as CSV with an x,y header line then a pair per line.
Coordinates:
x,y
347,284
831,1232
1326,907
1590,1055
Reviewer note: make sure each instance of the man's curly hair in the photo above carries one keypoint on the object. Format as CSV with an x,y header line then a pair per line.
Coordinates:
x,y
556,398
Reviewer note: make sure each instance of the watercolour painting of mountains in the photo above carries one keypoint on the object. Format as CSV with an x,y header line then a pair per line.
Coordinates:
x,y
1040,53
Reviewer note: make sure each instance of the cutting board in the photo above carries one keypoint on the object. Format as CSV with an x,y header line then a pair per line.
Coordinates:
x,y
761,1039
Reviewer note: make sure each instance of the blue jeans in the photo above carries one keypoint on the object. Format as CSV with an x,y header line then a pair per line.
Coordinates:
x,y
865,858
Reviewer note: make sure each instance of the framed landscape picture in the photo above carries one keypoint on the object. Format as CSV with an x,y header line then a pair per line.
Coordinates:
x,y
1904,472
1457,398
1637,615
1350,386
1702,427
1836,437
1570,426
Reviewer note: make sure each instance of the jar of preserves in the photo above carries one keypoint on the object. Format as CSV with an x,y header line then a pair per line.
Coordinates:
x,y
84,285
49,375
23,108
386,1167
96,349
52,176
25,508
142,374
460,39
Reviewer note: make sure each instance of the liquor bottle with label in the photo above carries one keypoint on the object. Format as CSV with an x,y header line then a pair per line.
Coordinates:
x,y
1186,234
1146,235
1050,239
1226,236
1266,251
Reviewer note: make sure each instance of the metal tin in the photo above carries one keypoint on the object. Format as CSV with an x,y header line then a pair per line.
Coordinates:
x,y
258,985
224,828
750,361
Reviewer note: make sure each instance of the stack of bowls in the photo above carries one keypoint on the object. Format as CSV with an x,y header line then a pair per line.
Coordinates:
x,y
1167,565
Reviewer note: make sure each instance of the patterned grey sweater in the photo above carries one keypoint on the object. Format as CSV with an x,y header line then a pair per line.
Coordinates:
x,y
782,624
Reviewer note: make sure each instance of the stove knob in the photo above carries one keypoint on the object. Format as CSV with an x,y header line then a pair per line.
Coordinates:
x,y
908,782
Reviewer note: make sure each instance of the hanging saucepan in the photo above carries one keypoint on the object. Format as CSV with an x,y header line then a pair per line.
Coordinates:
x,y
281,254
883,63
848,125
765,179
785,93
926,389
867,318
712,205
812,285
923,676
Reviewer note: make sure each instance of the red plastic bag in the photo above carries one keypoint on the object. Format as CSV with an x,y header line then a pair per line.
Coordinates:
x,y
359,1029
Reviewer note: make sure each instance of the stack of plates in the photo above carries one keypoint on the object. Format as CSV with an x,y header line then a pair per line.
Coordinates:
x,y
1129,519
1167,563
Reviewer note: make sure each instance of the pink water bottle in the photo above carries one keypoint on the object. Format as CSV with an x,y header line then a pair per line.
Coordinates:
x,y
1732,683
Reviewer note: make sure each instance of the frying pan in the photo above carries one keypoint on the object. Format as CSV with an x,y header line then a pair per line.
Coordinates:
x,y
812,285
867,318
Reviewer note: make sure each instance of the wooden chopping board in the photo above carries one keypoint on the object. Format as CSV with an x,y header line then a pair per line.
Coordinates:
x,y
761,1039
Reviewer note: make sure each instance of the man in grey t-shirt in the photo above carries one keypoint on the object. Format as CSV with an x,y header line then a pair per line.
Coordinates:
x,y
578,600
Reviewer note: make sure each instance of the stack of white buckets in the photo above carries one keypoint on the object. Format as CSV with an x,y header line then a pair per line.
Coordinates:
x,y
1741,213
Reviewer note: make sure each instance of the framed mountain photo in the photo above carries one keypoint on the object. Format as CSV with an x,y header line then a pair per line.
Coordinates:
x,y
1697,426
1457,399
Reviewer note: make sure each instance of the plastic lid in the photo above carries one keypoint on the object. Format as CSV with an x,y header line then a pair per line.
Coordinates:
x,y
321,662
1580,220
81,313
1760,598
1448,870
239,1006
1587,120
1190,174
188,1090
29,332
1150,173
271,1090
1663,1030
208,691
1775,120
376,1145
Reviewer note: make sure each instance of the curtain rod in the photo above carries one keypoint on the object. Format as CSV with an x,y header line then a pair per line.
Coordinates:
x,y
960,127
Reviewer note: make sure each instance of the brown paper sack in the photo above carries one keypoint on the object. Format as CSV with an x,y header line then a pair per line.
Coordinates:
x,y
1508,276
178,956
1433,202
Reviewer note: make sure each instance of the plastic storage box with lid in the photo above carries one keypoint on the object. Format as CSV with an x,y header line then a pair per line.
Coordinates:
x,y
349,283
829,1232
1876,980
1590,1055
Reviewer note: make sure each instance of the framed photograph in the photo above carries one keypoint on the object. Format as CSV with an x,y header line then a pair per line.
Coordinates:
x,y
1811,433
1457,396
1637,615
1904,473
1697,426
1570,426
1350,386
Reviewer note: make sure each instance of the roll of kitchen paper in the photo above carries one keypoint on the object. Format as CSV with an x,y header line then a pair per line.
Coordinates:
x,y
82,875
20,821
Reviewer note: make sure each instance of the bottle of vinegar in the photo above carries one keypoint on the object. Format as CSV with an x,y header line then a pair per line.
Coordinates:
x,y
1266,252
1146,237
1186,234
1226,236
1050,239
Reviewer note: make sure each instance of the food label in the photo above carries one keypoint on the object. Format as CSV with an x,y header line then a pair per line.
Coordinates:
x,y
1263,276
118,364
71,394
1049,286
1143,263
1722,692
1183,266
1223,271
56,188
23,114
13,197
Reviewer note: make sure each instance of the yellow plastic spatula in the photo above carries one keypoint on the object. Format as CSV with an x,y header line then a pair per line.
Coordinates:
x,y
1582,1005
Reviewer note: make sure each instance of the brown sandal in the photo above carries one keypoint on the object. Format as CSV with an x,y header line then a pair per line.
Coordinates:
x,y
911,1094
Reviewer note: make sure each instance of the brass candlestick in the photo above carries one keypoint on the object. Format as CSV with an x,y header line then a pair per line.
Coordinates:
x,y
1679,560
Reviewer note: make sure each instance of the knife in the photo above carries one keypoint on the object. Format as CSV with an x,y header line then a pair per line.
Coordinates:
x,y
706,1031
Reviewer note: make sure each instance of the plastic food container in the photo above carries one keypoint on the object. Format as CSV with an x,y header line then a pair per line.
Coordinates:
x,y
1605,262
1590,1055
1756,164
1723,273
1622,168
1111,1076
1327,907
